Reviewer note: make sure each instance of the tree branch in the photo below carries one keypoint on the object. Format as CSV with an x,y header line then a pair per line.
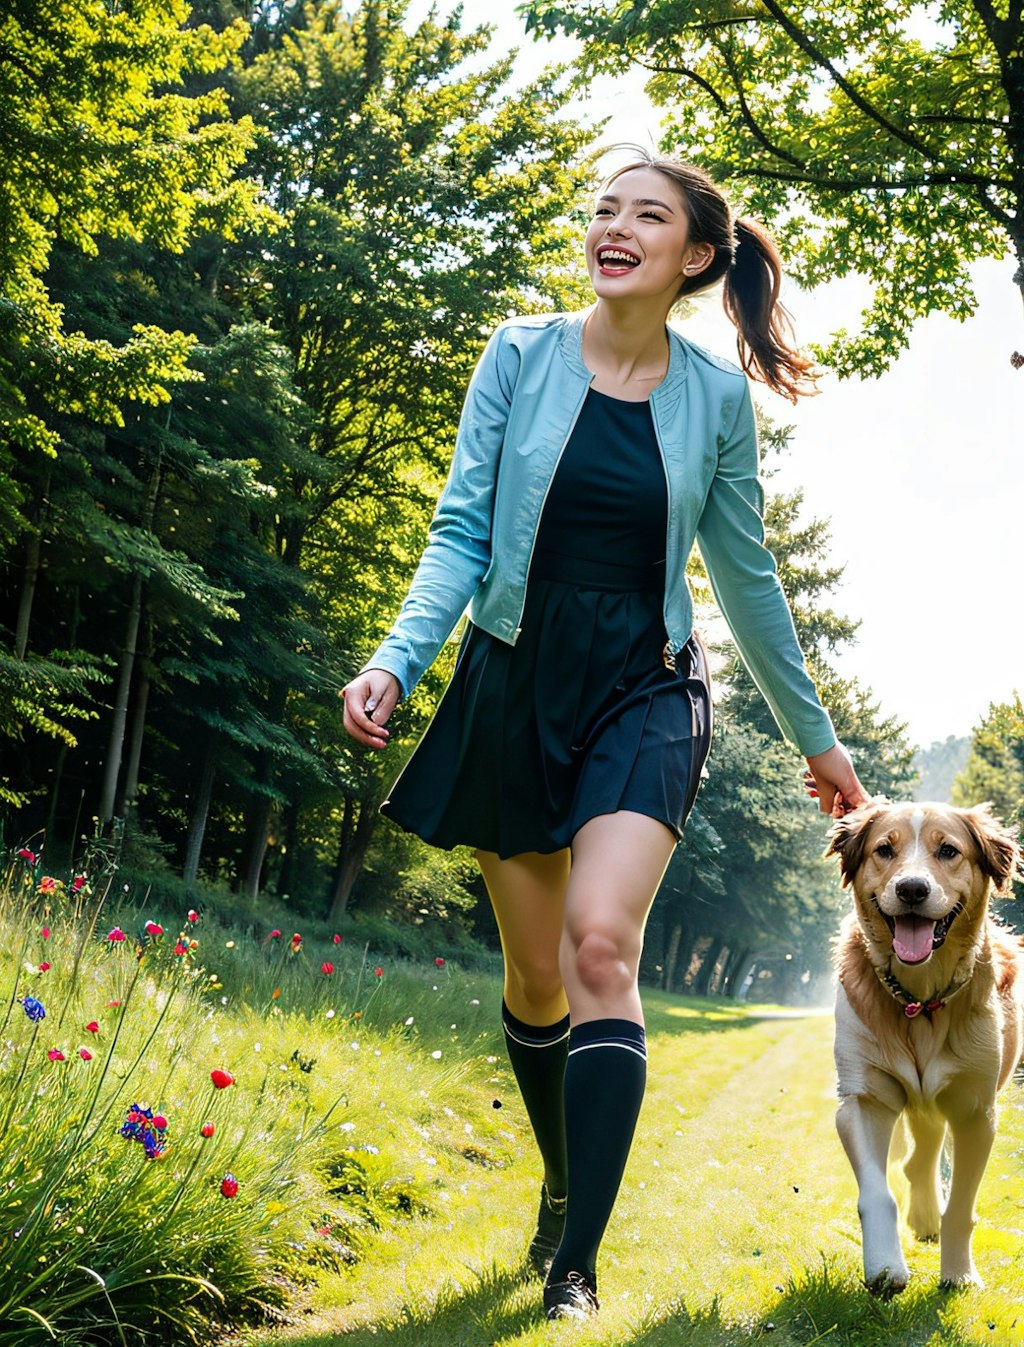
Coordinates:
x,y
996,212
882,184
750,121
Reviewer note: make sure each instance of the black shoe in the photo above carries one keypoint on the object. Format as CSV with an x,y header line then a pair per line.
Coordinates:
x,y
575,1298
550,1224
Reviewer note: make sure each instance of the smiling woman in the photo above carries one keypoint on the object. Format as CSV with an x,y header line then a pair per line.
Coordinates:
x,y
594,448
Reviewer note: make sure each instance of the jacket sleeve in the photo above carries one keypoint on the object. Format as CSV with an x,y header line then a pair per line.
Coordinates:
x,y
746,584
458,549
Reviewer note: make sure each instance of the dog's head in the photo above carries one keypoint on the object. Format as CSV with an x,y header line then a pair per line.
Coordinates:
x,y
920,871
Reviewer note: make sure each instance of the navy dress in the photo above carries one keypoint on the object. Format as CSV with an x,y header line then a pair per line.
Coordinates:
x,y
581,716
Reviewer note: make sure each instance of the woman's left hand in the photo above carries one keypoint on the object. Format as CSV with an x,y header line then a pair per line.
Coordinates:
x,y
831,780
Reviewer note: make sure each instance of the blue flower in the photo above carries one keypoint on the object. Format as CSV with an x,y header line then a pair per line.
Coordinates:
x,y
33,1009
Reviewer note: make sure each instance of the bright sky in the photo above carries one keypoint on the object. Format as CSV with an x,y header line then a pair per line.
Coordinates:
x,y
921,472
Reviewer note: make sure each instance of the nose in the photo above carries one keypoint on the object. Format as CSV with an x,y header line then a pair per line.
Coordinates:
x,y
912,889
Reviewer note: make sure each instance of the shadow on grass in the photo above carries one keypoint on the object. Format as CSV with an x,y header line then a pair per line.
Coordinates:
x,y
824,1308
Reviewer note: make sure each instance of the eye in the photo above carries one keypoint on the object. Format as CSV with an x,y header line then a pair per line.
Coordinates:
x,y
602,210
885,851
652,215
948,852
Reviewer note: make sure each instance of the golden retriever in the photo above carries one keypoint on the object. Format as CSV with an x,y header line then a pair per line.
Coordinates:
x,y
929,1018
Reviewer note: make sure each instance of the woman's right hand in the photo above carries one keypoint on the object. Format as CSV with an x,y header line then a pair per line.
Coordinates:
x,y
369,700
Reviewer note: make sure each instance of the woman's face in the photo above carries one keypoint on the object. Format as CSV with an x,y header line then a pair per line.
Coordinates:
x,y
637,245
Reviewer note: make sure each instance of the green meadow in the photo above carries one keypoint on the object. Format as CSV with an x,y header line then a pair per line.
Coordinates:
x,y
366,1172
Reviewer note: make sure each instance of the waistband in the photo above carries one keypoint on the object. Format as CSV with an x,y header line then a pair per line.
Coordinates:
x,y
592,574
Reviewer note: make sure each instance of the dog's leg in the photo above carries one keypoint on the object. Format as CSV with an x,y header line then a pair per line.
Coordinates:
x,y
924,1213
865,1127
973,1134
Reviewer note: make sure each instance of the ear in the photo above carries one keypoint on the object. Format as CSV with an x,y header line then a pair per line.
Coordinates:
x,y
1000,853
700,258
849,838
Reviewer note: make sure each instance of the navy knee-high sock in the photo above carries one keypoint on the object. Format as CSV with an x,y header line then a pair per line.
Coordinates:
x,y
538,1054
604,1088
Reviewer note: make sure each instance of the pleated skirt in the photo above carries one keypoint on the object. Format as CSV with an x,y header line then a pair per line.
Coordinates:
x,y
581,717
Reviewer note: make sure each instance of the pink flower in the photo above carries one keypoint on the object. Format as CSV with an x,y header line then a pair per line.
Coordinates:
x,y
93,1027
77,883
193,915
439,962
116,936
85,1054
274,935
47,884
27,855
44,967
327,968
152,929
221,1079
55,1055
45,932
112,1005
336,939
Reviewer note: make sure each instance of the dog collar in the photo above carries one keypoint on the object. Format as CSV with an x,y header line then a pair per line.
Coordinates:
x,y
912,1007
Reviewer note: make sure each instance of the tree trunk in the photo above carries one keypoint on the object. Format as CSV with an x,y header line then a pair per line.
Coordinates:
x,y
668,978
254,846
119,718
200,814
130,787
28,591
357,824
702,980
736,966
288,878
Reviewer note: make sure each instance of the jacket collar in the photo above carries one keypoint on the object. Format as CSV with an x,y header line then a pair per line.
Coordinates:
x,y
571,342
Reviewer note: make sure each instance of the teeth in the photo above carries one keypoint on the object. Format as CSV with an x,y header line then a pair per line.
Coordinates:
x,y
614,255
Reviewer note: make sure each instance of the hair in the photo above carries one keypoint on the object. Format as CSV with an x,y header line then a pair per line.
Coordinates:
x,y
747,261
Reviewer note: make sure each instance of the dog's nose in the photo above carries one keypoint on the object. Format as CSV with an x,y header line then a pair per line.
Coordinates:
x,y
912,889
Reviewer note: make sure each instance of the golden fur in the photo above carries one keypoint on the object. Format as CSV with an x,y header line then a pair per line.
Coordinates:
x,y
929,1016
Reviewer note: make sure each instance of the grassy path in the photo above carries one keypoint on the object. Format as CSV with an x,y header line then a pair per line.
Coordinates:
x,y
737,1222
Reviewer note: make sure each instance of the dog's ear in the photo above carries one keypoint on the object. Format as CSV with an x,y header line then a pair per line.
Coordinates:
x,y
997,845
849,837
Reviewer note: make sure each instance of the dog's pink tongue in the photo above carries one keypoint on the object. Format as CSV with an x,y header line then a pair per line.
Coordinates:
x,y
912,938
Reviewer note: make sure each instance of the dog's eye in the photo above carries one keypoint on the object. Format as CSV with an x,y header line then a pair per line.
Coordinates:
x,y
885,850
948,852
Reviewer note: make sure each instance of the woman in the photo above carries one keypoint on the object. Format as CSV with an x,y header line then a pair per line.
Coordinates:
x,y
593,448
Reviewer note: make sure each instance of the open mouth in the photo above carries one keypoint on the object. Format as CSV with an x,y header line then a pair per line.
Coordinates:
x,y
616,259
915,938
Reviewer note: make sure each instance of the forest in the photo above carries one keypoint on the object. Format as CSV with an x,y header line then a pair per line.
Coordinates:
x,y
250,254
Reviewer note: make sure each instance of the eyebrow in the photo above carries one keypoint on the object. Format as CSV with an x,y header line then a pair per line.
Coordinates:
x,y
640,201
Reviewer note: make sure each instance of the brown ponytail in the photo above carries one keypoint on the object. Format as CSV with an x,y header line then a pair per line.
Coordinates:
x,y
747,261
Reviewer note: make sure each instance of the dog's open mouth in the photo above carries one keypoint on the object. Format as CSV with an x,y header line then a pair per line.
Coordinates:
x,y
914,938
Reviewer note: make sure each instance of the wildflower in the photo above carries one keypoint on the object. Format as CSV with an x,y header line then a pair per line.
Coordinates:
x,y
45,932
378,972
45,967
229,1186
33,1009
439,962
221,1079
192,915
275,993
93,1026
27,855
336,938
436,1055
274,935
77,883
357,1014
330,1015
85,1054
296,943
327,968
116,936
112,1005
140,1124
47,884
55,1055
207,1130
179,948
153,930
229,944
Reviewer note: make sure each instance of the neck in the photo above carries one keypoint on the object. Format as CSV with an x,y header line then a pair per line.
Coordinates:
x,y
626,342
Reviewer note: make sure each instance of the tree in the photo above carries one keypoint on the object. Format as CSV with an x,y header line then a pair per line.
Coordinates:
x,y
882,139
994,771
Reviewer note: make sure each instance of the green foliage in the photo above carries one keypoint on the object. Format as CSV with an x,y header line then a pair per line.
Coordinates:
x,y
994,770
880,139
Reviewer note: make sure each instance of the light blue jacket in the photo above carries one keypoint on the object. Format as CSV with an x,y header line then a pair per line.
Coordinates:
x,y
520,409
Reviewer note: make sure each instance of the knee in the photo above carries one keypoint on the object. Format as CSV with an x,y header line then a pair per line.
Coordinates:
x,y
533,986
601,962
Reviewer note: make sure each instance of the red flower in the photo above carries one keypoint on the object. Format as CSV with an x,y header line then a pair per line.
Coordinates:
x,y
296,942
85,1054
116,936
160,1121
44,967
274,935
55,1055
153,929
77,883
229,1185
47,884
221,1079
112,1005
192,915
327,968
27,855
336,939
207,1130
439,962
93,1027
179,948
378,972
45,932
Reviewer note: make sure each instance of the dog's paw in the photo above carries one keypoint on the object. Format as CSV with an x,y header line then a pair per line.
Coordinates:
x,y
962,1281
888,1283
928,1238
